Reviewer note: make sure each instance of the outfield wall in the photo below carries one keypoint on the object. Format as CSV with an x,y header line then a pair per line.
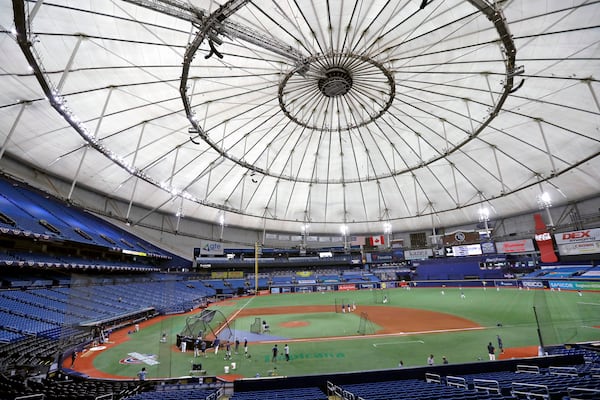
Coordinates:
x,y
565,284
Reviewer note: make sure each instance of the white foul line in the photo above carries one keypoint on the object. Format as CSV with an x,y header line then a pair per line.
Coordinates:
x,y
409,341
232,317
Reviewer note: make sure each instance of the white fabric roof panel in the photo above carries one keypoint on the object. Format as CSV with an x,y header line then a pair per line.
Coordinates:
x,y
327,113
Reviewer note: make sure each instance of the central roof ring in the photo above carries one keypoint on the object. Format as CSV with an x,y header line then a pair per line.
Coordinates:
x,y
351,85
336,82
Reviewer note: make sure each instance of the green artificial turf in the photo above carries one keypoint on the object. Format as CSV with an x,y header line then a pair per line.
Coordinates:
x,y
564,317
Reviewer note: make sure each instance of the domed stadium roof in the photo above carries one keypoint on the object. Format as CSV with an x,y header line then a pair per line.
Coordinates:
x,y
274,114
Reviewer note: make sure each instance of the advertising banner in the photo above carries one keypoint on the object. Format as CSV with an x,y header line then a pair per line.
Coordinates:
x,y
488,248
533,284
506,283
324,288
515,246
578,242
307,281
587,235
211,248
385,257
464,250
420,254
347,286
574,285
460,238
572,249
368,285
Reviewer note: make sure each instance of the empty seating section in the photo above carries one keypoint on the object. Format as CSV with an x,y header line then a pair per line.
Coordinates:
x,y
8,336
590,356
13,386
175,392
27,310
37,213
310,393
592,273
333,278
222,286
47,311
510,382
285,279
23,325
24,221
410,389
282,280
358,276
262,282
560,272
553,383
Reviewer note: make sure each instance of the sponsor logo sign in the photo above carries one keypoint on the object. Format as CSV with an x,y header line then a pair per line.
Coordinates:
x,y
381,257
543,236
347,287
569,249
533,284
466,250
209,247
323,288
139,358
488,248
575,285
420,254
506,283
367,285
515,246
587,235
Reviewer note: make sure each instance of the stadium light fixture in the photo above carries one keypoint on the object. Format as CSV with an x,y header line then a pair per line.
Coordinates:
x,y
544,203
544,200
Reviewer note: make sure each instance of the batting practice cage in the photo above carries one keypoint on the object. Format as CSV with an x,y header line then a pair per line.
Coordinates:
x,y
209,324
256,326
365,326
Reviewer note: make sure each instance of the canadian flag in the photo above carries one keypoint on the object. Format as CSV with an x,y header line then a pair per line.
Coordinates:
x,y
377,240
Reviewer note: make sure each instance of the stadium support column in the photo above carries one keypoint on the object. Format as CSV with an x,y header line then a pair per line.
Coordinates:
x,y
255,268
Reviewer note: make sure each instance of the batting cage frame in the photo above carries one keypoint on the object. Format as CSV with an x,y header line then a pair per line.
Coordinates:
x,y
256,326
209,324
365,325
